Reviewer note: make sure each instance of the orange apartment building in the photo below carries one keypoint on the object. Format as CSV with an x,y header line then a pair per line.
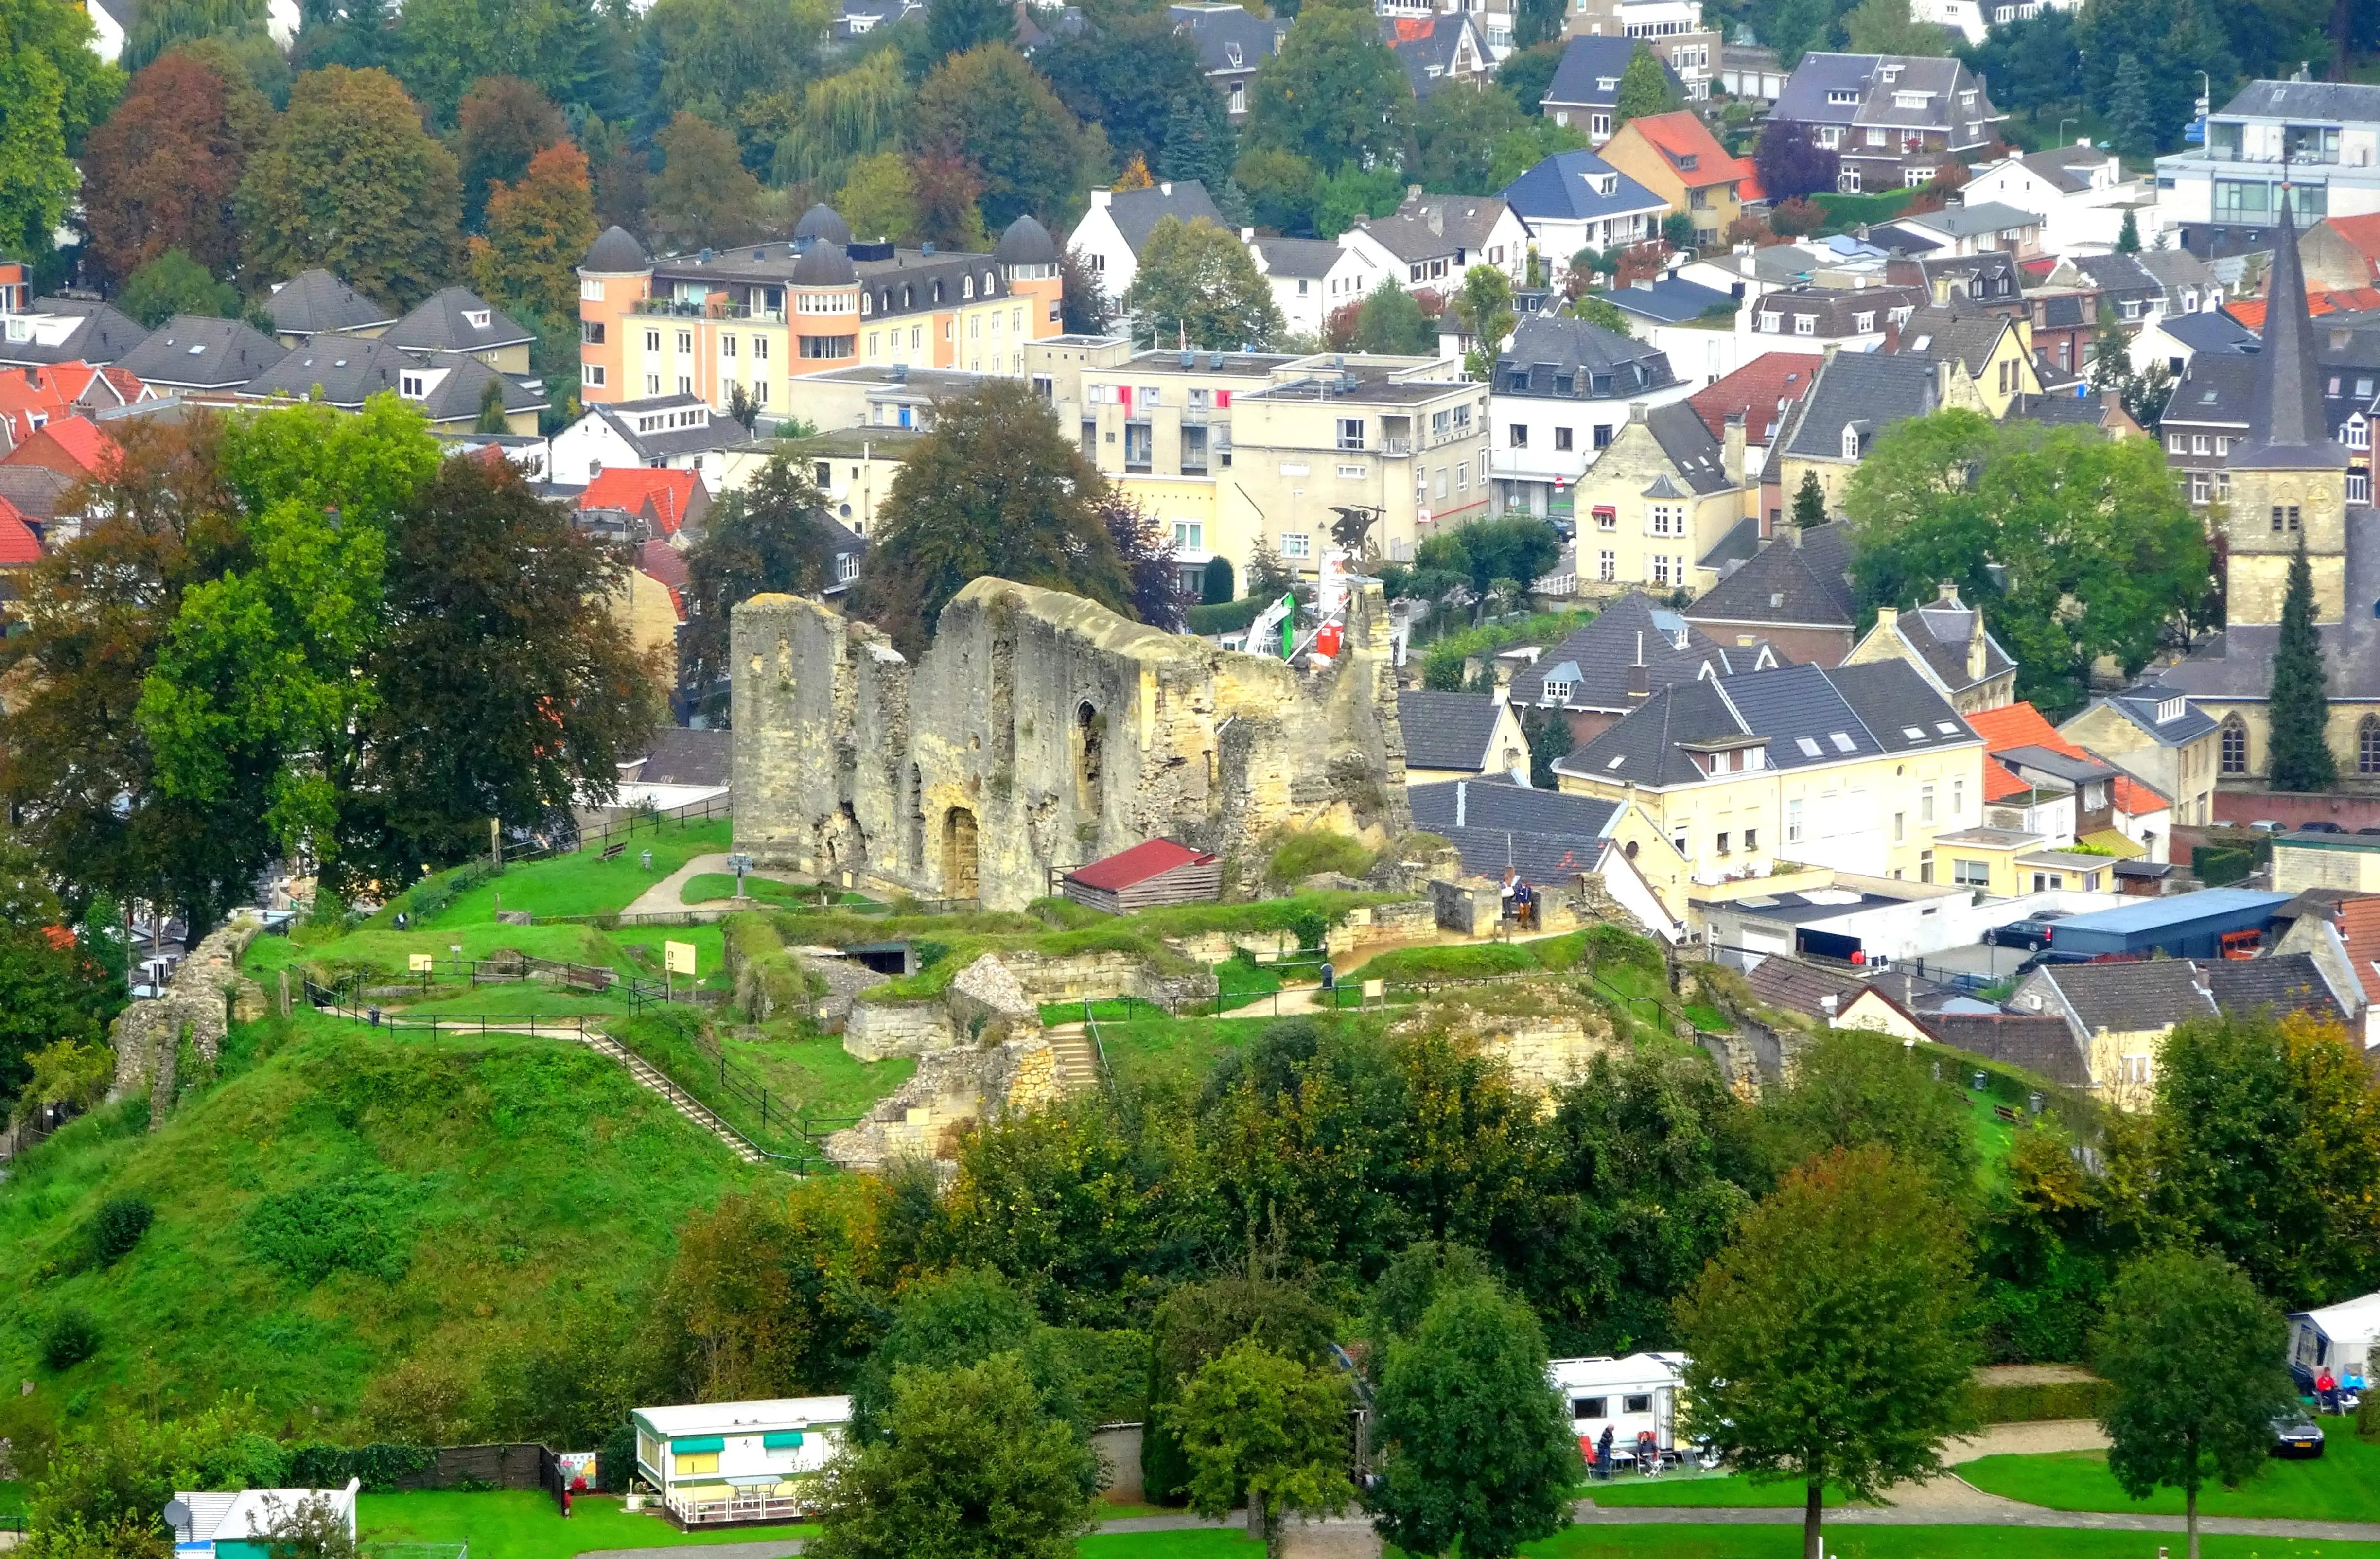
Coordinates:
x,y
757,316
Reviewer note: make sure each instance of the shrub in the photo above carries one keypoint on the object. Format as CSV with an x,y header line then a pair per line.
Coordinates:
x,y
69,1337
1302,855
2367,1417
355,1222
2215,866
1229,616
117,1226
2042,1402
615,1458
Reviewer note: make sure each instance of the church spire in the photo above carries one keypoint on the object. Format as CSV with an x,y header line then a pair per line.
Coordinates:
x,y
2286,429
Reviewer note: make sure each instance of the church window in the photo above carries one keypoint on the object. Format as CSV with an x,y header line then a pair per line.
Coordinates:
x,y
2367,746
2235,747
2285,518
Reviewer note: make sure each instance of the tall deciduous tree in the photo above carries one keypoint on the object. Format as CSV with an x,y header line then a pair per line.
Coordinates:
x,y
879,198
967,24
1484,304
500,124
989,109
167,24
1476,1453
537,231
995,488
1136,74
443,46
1829,1341
1791,164
971,1467
1391,322
1850,1089
176,284
53,987
705,197
770,534
1196,284
1147,554
1645,88
2299,755
712,54
1334,93
2194,1355
57,90
349,180
846,119
161,172
1885,26
1196,1323
1268,1430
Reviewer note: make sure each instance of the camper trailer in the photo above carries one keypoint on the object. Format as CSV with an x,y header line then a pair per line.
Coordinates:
x,y
1630,1395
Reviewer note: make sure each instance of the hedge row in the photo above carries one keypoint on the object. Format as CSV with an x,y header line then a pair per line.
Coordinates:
x,y
319,1465
2040,1403
1232,617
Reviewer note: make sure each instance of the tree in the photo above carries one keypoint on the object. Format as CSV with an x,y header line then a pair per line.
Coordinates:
x,y
1475,1448
1645,88
967,24
1280,186
176,284
54,989
845,120
961,1318
1885,26
970,1466
2076,547
1196,1323
57,90
1391,321
500,124
348,179
880,198
950,202
161,173
1333,94
2129,111
1518,547
1459,131
1852,1090
1602,311
987,108
1484,304
1536,22
1268,1430
168,24
704,197
1527,73
1139,76
769,535
1146,553
500,685
995,488
441,47
2299,755
1550,742
1196,284
1830,1342
2128,237
1087,305
2194,1355
620,172
308,1527
1791,164
1677,230
715,54
537,231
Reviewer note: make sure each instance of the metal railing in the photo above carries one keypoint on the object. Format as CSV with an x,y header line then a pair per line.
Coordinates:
x,y
649,821
341,1004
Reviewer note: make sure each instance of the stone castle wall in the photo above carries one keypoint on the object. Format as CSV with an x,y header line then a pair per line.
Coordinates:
x,y
1041,731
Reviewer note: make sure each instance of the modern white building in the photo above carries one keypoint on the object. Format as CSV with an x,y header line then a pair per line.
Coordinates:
x,y
679,431
1562,388
1111,235
2080,193
2320,138
718,1462
1310,278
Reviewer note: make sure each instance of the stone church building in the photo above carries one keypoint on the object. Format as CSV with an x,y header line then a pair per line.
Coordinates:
x,y
2288,486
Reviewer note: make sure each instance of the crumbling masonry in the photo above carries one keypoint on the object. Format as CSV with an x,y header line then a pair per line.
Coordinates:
x,y
1041,731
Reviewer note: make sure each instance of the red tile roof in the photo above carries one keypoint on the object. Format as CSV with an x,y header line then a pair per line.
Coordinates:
x,y
1761,389
1138,864
664,562
2019,724
2249,312
632,488
83,440
18,546
2358,924
1683,135
2135,798
2364,233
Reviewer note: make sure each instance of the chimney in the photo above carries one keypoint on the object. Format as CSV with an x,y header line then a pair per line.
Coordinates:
x,y
1461,804
1248,235
1941,384
1941,289
1639,683
1166,189
1975,661
1438,221
1832,348
1102,198
1946,594
1413,191
1793,535
1732,447
1638,411
1743,262
1502,671
1888,618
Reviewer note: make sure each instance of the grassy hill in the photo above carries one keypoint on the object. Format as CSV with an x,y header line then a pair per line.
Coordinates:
x,y
342,1202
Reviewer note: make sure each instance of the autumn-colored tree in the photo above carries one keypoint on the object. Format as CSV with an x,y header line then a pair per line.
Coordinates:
x,y
988,109
1134,175
537,231
56,88
950,202
879,198
705,196
161,172
502,124
348,179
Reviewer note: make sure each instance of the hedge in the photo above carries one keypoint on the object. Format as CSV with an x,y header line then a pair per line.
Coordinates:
x,y
318,1464
1232,617
2215,865
2039,1402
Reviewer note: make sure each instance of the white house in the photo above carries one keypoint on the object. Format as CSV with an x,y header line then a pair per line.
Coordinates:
x,y
681,432
1627,1395
2340,1336
1561,391
1430,241
1309,277
236,1526
1575,199
715,1462
1111,235
2080,193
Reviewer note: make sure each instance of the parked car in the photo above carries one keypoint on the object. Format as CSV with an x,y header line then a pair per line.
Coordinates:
x,y
2297,1436
2266,825
2320,826
2033,930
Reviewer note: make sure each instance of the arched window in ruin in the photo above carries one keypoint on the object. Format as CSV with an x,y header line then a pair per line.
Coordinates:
x,y
1090,752
2235,745
959,876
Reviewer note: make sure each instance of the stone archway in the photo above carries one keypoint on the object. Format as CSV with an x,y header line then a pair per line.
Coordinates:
x,y
960,879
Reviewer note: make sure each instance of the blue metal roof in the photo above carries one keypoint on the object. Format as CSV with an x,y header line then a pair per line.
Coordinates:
x,y
2154,914
1565,186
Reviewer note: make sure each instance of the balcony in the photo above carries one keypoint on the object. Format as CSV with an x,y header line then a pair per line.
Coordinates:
x,y
1395,446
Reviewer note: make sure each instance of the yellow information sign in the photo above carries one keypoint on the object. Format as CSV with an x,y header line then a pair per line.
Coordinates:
x,y
678,957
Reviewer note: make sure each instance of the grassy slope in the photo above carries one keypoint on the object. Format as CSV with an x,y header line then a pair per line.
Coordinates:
x,y
2343,1484
523,1524
540,1177
1666,1541
583,882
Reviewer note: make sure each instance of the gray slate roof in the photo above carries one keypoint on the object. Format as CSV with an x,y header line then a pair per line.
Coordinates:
x,y
1589,62
105,336
1782,584
1685,437
2041,1044
1429,60
2129,997
1941,633
1966,221
1629,631
1874,389
721,434
1446,730
1556,355
2068,168
680,756
1798,987
1960,335
35,490
351,369
1310,258
1806,94
2214,391
2139,705
1136,212
1428,226
1835,311
2280,983
1670,301
443,322
198,352
1229,39
1569,186
1542,835
2285,425
314,302
2211,331
2305,99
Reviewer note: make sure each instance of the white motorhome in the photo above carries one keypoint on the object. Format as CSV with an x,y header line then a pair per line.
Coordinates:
x,y
1629,1395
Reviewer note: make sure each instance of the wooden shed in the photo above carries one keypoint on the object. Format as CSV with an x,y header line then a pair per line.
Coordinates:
x,y
1144,876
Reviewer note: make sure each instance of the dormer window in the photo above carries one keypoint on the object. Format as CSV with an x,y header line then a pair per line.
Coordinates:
x,y
1232,55
1910,100
1890,73
2169,709
476,318
412,386
1607,83
1843,97
2358,433
1851,441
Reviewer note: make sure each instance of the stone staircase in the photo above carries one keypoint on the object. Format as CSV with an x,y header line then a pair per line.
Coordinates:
x,y
685,1104
1077,1058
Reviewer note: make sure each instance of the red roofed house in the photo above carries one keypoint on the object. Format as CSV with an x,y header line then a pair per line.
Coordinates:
x,y
670,500
1676,157
1760,391
1158,871
2358,922
34,396
2037,781
2341,253
20,548
73,446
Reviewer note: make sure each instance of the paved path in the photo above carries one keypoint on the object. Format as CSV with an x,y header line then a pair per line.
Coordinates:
x,y
668,895
2015,1514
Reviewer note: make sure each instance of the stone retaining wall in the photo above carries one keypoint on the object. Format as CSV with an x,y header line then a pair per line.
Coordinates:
x,y
148,1035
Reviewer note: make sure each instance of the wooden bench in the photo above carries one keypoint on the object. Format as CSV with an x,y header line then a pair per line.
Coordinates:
x,y
614,852
2005,1113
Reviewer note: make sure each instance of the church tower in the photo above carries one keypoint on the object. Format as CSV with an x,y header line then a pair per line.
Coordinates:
x,y
2289,476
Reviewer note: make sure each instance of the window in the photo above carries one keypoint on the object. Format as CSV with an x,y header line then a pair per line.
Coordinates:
x,y
2284,516
1606,517
2198,444
1771,323
1603,435
2173,444
2367,746
1925,803
2235,746
1189,535
1970,873
1607,567
591,333
1660,569
1958,799
1351,433
1665,520
1805,324
590,289
1925,866
685,341
2358,487
2222,443
727,345
1751,840
2199,487
1587,1407
1901,828
652,341
1793,822
1351,473
1561,438
1239,97
652,383
1851,442
1722,844
1598,124
760,348
1296,544
1864,324
694,1461
1520,435
593,374
846,567
412,386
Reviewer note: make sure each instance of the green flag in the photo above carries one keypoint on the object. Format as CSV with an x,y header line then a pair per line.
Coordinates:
x,y
1288,626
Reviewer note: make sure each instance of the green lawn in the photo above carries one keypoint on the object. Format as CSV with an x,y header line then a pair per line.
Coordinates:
x,y
1204,1542
585,883
711,886
1141,1052
1728,1489
2343,1484
1663,1542
523,1524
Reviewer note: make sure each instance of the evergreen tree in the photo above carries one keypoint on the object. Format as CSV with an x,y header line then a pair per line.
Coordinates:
x,y
2300,713
1550,741
2129,111
2128,239
1645,88
1809,501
